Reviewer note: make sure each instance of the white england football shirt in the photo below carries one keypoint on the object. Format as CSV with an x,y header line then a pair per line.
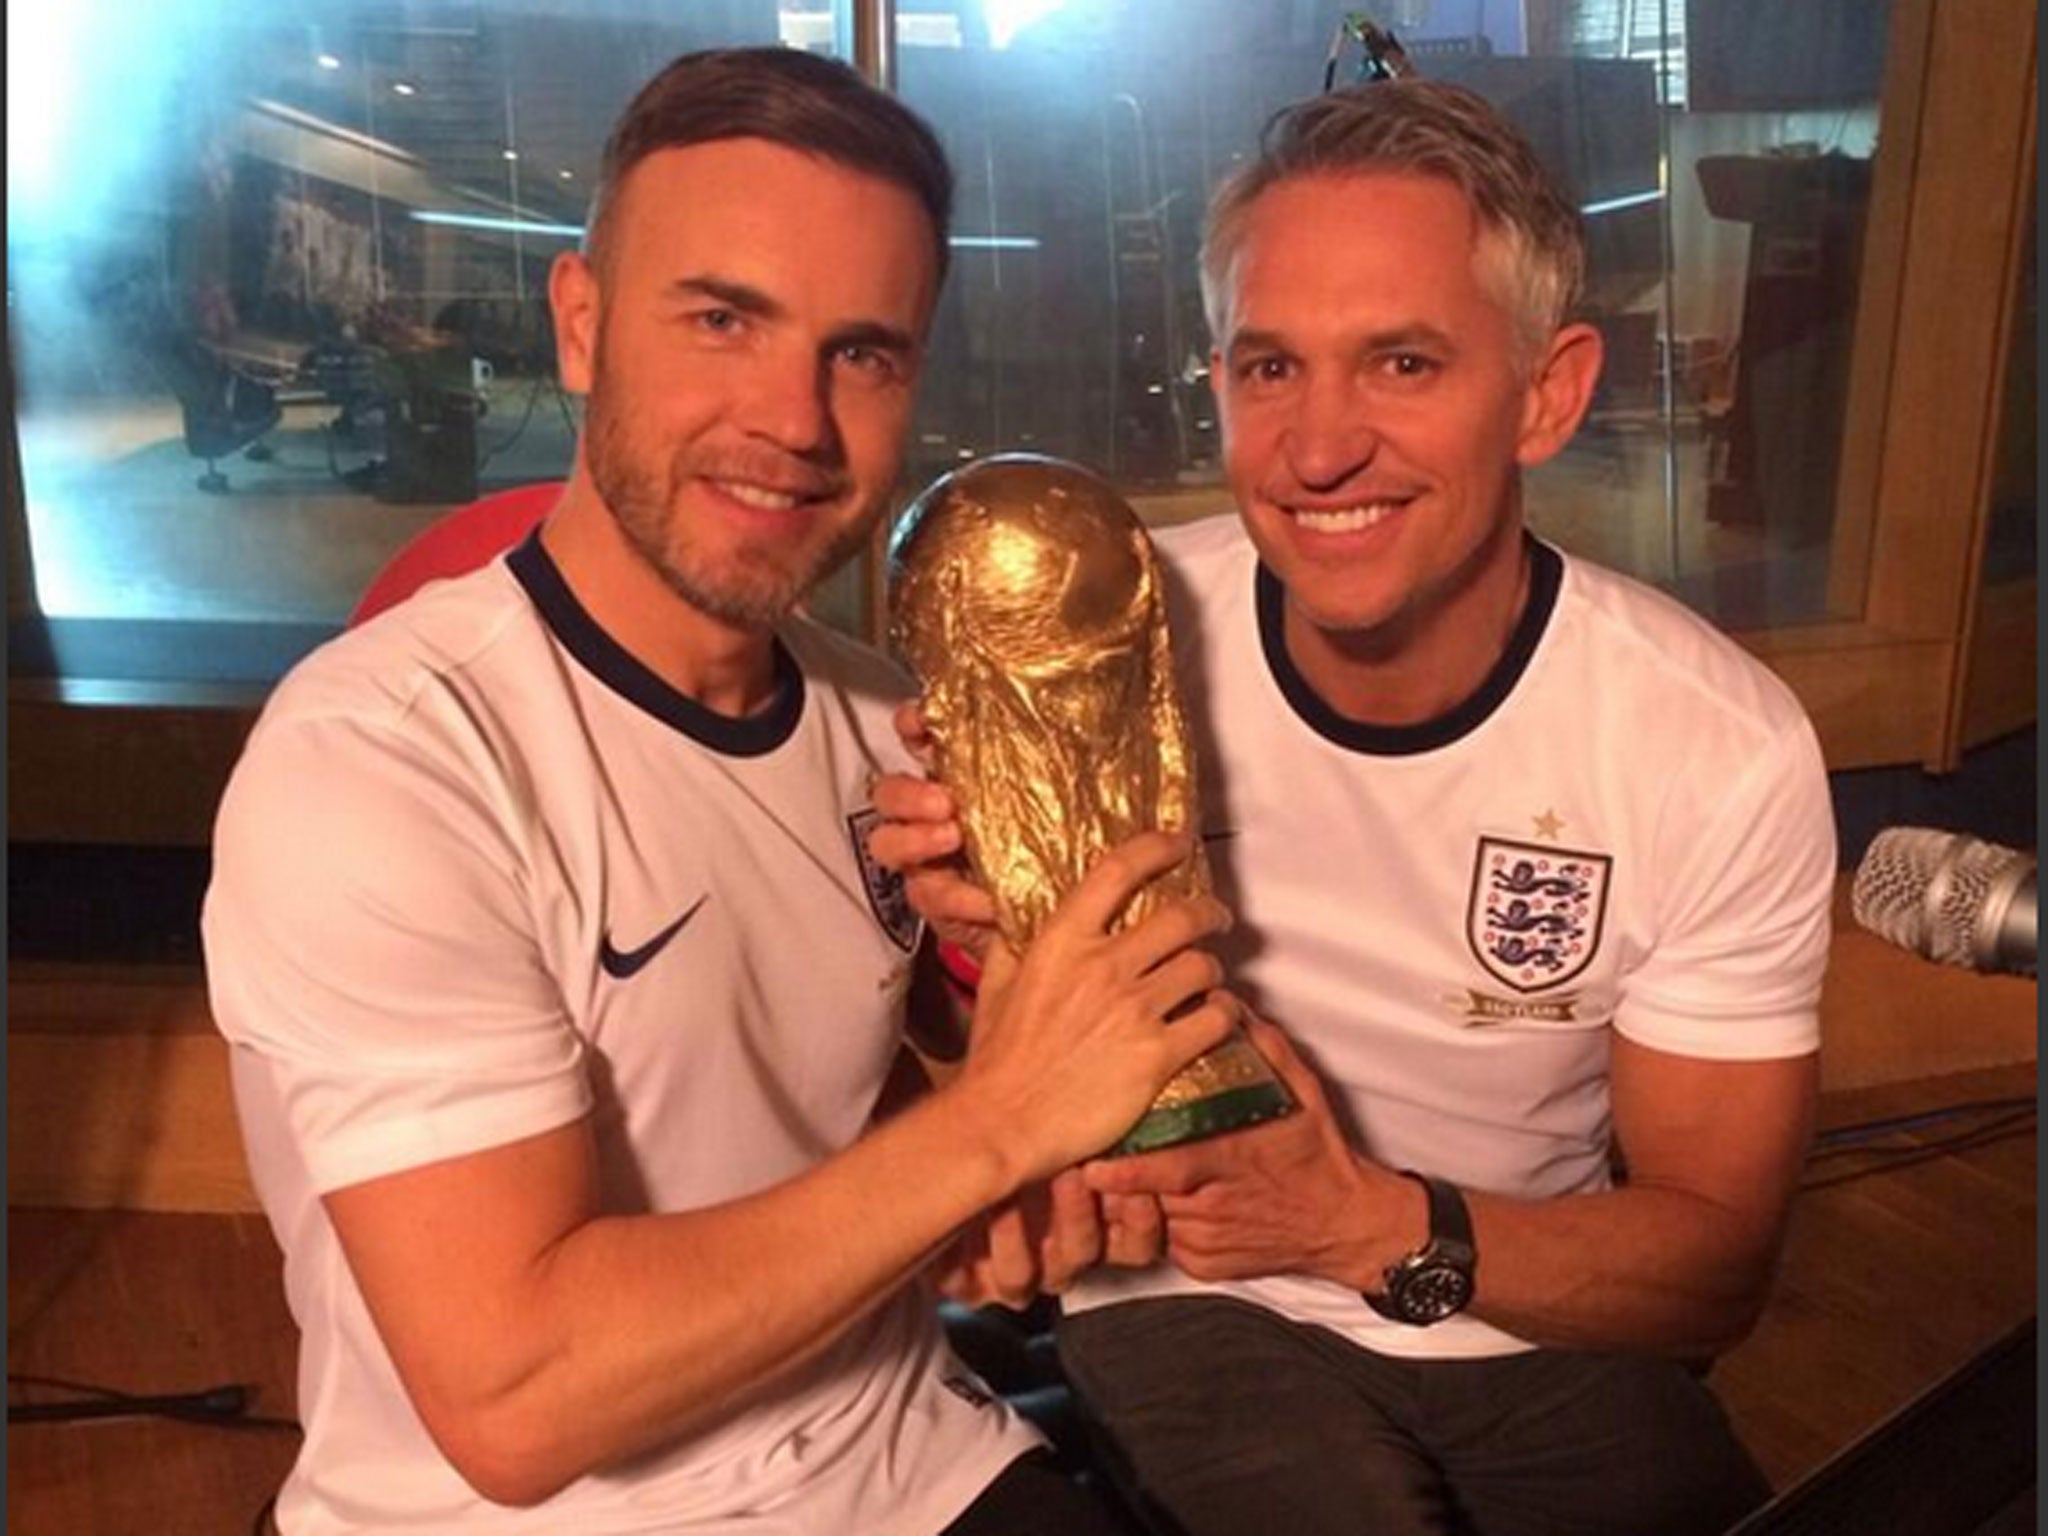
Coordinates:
x,y
1625,830
479,874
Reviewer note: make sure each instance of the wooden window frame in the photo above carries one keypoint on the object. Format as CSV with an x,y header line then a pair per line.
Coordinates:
x,y
1941,277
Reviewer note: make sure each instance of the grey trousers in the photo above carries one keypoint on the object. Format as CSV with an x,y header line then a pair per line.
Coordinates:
x,y
1219,1418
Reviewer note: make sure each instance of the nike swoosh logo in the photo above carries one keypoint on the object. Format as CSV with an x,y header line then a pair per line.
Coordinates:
x,y
620,964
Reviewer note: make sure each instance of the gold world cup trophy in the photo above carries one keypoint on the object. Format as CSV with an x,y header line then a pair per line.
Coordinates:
x,y
1025,595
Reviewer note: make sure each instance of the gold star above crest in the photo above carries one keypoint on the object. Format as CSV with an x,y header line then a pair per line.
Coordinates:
x,y
1549,824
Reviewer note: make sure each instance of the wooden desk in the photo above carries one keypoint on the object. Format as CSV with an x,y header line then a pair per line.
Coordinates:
x,y
117,1084
154,1276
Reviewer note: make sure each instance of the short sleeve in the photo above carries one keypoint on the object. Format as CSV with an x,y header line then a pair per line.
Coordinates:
x,y
1735,970
369,934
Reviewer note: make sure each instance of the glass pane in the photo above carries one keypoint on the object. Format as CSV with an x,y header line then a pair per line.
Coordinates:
x,y
1772,153
2012,541
1720,149
1085,136
277,277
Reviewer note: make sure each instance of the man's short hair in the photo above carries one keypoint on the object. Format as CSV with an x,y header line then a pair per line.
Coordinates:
x,y
1427,128
802,101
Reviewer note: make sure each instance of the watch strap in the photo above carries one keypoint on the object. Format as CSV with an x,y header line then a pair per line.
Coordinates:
x,y
1449,1220
1448,1247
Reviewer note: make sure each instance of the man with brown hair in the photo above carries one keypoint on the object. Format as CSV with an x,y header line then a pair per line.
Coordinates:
x,y
561,991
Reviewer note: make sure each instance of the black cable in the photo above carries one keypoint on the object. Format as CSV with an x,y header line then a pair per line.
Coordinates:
x,y
226,1405
224,1402
1842,1137
1886,1159
223,1407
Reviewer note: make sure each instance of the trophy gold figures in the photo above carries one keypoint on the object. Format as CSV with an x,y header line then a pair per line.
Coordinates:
x,y
1026,596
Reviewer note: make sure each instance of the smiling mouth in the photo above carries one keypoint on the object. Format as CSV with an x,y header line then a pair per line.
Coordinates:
x,y
1354,519
762,498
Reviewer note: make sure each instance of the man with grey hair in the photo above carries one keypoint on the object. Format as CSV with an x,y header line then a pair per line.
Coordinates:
x,y
1532,865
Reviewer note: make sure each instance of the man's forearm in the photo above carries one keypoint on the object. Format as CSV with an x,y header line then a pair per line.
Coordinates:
x,y
627,1333
541,1339
1655,1269
1679,1259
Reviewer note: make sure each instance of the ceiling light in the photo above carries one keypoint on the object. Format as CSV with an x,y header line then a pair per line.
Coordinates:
x,y
502,226
1626,200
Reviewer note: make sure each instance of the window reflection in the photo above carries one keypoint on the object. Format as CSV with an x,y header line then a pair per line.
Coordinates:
x,y
1722,152
277,275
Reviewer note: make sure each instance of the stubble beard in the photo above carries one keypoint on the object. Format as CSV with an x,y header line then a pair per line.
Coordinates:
x,y
754,590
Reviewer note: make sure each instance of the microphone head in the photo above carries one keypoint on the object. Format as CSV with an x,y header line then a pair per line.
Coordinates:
x,y
1940,894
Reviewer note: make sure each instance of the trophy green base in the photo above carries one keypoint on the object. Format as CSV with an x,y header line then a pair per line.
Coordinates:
x,y
1198,1119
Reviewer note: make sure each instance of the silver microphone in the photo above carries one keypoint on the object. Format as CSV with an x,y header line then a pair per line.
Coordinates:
x,y
1949,897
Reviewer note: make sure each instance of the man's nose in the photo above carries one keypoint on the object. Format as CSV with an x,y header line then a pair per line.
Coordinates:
x,y
789,402
1332,435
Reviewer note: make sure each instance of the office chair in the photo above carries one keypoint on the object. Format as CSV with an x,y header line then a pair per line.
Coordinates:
x,y
459,542
224,411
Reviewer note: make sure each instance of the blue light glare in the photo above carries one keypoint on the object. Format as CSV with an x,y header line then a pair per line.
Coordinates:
x,y
1006,18
1627,200
500,226
86,98
575,231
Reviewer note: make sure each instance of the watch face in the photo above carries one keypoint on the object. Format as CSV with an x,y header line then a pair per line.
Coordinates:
x,y
1434,1292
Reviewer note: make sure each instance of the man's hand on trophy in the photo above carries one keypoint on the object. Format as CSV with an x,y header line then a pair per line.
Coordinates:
x,y
920,839
1071,1044
1286,1197
917,741
1042,1240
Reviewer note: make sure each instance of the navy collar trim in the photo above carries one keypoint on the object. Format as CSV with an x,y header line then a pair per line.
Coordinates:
x,y
610,663
1546,576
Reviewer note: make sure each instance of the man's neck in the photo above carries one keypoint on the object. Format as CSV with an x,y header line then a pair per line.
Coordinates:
x,y
727,668
1420,666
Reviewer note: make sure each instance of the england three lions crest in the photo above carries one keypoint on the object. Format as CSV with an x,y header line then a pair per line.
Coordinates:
x,y
1536,910
886,896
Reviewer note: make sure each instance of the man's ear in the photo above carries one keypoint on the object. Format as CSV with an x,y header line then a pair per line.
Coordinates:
x,y
1559,391
577,302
